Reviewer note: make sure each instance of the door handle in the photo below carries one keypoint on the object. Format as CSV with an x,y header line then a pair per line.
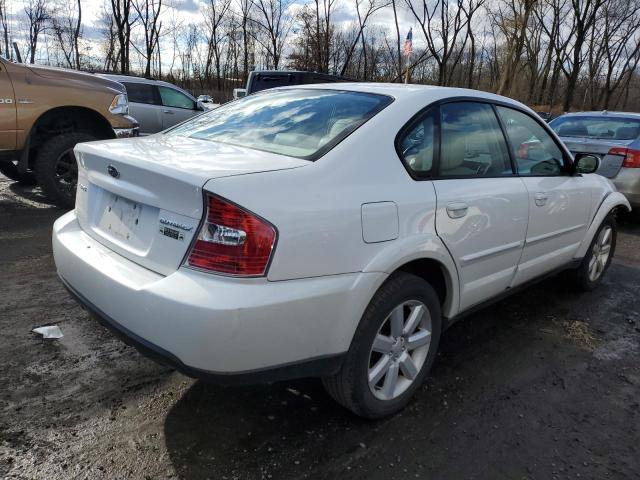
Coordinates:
x,y
167,111
457,209
541,199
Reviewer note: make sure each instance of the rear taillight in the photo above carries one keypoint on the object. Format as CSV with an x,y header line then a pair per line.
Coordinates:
x,y
232,241
631,156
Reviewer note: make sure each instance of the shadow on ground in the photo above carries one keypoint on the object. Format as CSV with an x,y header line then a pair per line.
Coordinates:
x,y
512,395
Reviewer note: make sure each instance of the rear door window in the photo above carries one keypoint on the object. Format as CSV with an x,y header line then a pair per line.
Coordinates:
x,y
472,143
140,93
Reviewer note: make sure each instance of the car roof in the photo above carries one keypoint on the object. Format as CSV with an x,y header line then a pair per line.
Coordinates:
x,y
401,91
132,79
602,113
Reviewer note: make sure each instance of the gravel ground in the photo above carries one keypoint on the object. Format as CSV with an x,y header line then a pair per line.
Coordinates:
x,y
542,385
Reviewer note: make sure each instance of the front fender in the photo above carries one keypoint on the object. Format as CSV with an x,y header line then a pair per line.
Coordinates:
x,y
611,201
420,247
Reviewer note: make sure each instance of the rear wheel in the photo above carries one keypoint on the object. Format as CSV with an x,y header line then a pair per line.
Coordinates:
x,y
56,168
392,350
10,170
598,258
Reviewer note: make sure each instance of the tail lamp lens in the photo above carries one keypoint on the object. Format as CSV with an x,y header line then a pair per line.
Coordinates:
x,y
631,156
232,241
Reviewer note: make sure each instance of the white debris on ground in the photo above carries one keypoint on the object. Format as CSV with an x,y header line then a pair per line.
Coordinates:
x,y
50,331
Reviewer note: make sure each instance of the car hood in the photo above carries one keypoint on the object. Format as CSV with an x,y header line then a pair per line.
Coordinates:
x,y
85,78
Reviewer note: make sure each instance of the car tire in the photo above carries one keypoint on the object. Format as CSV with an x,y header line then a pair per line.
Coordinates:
x,y
10,170
56,169
355,385
598,257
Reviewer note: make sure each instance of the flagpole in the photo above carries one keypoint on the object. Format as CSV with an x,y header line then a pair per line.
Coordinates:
x,y
408,50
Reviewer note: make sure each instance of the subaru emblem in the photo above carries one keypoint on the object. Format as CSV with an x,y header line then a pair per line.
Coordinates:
x,y
113,171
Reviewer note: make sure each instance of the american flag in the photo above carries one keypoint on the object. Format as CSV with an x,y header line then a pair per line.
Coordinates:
x,y
408,44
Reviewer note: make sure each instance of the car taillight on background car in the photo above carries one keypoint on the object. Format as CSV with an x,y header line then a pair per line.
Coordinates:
x,y
232,240
631,156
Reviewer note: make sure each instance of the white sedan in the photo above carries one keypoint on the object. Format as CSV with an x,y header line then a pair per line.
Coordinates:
x,y
328,230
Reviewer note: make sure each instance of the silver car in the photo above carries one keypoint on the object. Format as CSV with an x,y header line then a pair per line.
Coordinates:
x,y
612,136
157,105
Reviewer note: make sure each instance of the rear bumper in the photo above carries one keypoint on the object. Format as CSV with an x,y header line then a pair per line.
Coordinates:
x,y
207,326
628,183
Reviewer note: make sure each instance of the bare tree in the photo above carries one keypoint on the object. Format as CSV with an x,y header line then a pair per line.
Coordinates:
x,y
123,21
5,27
37,15
372,6
149,17
216,12
66,24
444,26
275,24
512,18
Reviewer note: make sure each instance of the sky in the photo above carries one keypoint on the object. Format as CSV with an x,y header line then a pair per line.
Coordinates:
x,y
189,11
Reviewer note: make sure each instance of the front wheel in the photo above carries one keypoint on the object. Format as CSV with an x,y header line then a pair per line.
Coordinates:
x,y
392,350
56,167
598,258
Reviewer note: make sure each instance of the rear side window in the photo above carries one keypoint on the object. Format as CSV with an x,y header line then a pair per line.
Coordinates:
x,y
302,123
472,143
536,153
176,99
416,145
140,93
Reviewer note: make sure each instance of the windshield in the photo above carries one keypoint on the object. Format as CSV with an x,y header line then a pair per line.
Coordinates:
x,y
612,128
302,123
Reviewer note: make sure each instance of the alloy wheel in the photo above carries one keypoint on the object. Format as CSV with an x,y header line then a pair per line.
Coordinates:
x,y
399,350
600,253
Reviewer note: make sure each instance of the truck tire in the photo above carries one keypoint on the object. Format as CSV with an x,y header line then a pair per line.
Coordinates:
x,y
10,170
56,168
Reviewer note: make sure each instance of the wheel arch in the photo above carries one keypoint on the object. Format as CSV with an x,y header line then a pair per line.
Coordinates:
x,y
60,120
612,203
428,259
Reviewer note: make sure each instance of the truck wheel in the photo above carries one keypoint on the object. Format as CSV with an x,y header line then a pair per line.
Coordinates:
x,y
392,350
10,170
56,168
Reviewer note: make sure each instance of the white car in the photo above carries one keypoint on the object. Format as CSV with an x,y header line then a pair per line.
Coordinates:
x,y
328,230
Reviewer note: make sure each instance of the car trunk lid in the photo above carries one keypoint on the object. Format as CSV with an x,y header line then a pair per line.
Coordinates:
x,y
143,198
609,164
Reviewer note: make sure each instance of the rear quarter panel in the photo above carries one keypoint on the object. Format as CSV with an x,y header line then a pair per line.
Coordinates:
x,y
317,208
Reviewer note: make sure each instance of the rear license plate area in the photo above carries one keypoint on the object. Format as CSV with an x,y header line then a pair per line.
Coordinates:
x,y
120,218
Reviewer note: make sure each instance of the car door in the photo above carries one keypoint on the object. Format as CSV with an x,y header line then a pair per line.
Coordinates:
x,y
144,106
482,208
559,202
7,111
176,106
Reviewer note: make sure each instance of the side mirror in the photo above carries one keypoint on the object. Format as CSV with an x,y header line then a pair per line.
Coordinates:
x,y
199,105
586,163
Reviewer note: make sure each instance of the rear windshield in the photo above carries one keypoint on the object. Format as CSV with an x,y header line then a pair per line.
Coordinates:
x,y
613,128
300,123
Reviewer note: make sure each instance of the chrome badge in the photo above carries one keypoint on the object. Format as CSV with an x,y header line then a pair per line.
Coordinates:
x,y
113,171
171,223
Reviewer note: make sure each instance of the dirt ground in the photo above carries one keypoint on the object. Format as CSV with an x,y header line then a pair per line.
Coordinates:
x,y
542,385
